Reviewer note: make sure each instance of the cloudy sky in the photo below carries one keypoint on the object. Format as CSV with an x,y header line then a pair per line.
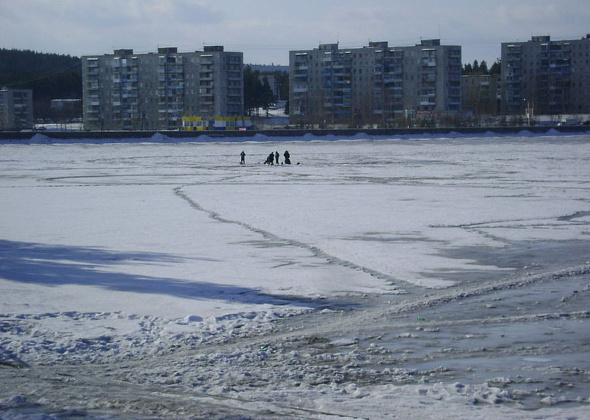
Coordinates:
x,y
265,30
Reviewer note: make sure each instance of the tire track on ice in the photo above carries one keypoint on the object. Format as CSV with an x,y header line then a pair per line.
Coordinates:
x,y
316,251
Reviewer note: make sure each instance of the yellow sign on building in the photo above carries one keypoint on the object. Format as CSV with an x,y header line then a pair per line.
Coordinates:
x,y
216,123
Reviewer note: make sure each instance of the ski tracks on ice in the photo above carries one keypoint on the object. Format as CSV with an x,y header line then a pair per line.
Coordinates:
x,y
316,251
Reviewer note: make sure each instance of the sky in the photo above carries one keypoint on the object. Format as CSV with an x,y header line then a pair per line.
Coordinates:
x,y
266,30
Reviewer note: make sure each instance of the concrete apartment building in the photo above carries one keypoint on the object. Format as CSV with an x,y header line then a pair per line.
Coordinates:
x,y
153,91
549,77
481,95
16,109
376,85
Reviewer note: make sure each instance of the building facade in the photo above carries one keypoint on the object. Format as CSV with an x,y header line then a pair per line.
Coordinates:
x,y
481,95
127,91
16,109
375,85
551,77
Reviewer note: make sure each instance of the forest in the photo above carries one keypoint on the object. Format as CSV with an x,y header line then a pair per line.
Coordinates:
x,y
49,76
481,68
258,93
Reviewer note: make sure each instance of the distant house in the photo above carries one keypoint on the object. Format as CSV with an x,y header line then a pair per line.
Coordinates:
x,y
16,109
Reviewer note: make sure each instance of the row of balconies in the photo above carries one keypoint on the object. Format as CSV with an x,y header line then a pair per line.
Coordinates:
x,y
389,87
336,105
125,70
556,64
393,71
125,96
300,60
511,57
428,77
388,93
390,80
117,81
389,62
179,72
169,85
427,102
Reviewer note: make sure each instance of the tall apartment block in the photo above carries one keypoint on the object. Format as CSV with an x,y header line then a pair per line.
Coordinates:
x,y
481,94
153,91
376,84
16,109
551,77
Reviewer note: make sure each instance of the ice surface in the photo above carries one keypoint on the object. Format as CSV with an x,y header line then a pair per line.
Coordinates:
x,y
373,278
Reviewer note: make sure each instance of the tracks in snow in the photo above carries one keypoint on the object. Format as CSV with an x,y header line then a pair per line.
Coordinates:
x,y
316,252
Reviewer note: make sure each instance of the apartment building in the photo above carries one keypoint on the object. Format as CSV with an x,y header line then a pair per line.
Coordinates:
x,y
153,91
16,109
374,85
551,77
481,94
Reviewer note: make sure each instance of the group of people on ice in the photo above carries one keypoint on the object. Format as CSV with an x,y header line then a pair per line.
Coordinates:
x,y
274,157
271,159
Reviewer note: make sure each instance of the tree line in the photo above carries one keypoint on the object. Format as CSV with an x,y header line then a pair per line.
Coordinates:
x,y
258,94
481,68
49,76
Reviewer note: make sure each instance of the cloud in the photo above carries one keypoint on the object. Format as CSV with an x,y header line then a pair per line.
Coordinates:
x,y
266,31
82,27
557,18
526,14
118,13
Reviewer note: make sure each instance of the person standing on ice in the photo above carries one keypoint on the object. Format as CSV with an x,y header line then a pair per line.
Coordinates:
x,y
287,157
270,159
242,158
277,158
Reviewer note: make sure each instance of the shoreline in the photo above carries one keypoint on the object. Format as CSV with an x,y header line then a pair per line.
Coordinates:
x,y
288,133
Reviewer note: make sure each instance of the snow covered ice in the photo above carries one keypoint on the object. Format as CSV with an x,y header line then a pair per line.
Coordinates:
x,y
378,278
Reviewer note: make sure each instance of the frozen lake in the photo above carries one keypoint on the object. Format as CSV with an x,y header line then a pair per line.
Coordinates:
x,y
372,278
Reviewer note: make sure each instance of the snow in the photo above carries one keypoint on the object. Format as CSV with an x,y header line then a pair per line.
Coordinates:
x,y
411,277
